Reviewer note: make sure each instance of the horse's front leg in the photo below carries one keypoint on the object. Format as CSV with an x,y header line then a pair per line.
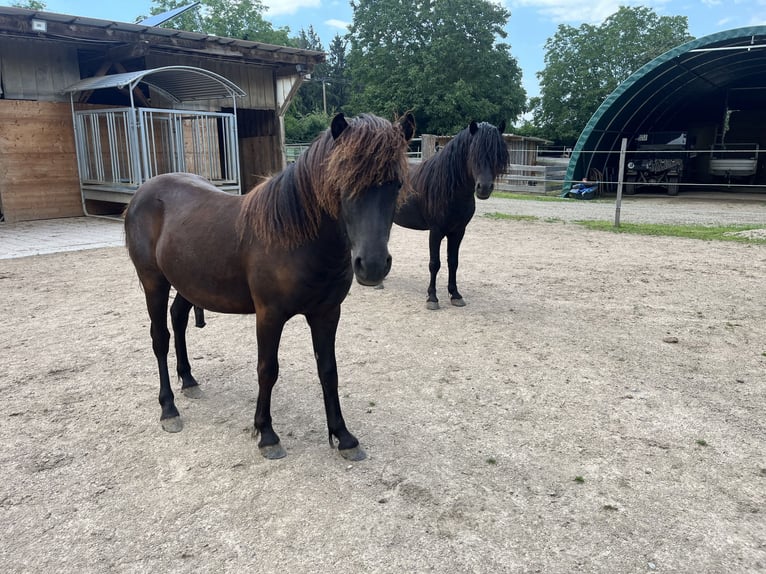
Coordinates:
x,y
453,249
323,328
179,318
268,334
434,264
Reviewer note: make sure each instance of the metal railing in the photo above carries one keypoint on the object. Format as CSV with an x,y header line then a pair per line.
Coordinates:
x,y
120,148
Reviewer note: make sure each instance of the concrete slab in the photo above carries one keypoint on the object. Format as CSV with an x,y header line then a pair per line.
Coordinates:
x,y
54,235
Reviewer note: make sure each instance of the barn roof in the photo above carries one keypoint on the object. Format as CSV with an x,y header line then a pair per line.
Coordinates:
x,y
677,89
139,39
178,83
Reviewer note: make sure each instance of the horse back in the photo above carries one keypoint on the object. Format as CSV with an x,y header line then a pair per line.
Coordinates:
x,y
180,227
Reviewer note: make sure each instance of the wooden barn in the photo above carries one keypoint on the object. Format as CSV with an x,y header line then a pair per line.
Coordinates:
x,y
89,108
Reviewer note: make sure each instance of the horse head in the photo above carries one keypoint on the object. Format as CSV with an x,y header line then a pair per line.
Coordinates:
x,y
369,168
488,156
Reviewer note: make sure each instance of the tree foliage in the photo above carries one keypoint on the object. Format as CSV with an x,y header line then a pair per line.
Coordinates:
x,y
584,65
439,59
30,5
242,19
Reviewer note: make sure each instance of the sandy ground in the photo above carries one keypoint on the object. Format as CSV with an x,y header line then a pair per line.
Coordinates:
x,y
598,406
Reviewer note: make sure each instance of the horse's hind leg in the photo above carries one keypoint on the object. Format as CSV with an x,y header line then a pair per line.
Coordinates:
x,y
434,264
453,250
179,318
199,317
157,292
323,329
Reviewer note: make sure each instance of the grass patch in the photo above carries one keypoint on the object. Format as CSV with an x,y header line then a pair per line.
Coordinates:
x,y
703,232
541,197
509,195
579,479
512,217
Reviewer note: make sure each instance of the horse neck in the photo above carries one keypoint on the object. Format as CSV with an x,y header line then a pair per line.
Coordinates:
x,y
283,210
450,168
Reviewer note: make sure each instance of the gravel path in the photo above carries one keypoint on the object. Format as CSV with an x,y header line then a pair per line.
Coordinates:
x,y
680,210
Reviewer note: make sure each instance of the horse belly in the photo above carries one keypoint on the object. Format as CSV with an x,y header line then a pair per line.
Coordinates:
x,y
410,216
216,284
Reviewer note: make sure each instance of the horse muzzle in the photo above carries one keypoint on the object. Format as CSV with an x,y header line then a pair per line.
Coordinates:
x,y
371,271
484,190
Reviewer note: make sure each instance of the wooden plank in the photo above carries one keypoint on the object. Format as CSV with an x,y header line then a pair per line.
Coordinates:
x,y
38,165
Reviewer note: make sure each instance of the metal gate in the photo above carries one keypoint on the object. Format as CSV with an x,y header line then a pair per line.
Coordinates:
x,y
120,148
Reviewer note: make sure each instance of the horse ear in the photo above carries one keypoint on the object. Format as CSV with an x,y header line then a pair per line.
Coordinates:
x,y
501,127
473,127
337,126
408,126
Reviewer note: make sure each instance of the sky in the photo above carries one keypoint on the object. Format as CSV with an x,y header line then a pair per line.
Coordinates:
x,y
531,23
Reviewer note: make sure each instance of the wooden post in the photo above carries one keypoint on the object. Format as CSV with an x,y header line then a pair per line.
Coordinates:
x,y
618,201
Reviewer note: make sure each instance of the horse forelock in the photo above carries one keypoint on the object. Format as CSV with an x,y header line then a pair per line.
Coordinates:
x,y
488,148
371,151
287,208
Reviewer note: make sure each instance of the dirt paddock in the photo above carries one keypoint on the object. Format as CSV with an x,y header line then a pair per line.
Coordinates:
x,y
598,406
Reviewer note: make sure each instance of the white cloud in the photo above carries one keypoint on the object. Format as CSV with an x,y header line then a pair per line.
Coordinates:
x,y
279,7
340,24
579,11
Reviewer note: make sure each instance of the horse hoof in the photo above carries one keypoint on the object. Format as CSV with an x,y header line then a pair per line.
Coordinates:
x,y
172,424
194,392
353,454
432,305
273,451
458,302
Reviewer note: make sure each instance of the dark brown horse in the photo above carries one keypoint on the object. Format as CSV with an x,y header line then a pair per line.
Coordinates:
x,y
289,247
443,200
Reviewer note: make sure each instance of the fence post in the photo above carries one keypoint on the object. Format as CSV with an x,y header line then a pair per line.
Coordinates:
x,y
621,173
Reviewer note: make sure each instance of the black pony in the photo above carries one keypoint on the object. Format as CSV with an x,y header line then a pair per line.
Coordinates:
x,y
443,195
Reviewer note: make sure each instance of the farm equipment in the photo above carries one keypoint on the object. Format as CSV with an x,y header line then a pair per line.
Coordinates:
x,y
658,160
734,161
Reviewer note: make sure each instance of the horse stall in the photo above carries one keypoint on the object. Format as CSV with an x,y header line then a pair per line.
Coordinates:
x,y
119,148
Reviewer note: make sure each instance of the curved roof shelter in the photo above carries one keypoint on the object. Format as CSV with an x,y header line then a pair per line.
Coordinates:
x,y
689,88
177,83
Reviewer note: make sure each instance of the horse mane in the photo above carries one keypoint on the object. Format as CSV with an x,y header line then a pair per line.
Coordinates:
x,y
287,209
441,176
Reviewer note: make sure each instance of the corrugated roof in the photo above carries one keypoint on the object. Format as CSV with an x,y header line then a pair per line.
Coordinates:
x,y
110,27
672,91
178,83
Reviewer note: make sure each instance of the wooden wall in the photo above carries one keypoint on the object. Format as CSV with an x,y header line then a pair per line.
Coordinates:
x,y
260,150
38,162
31,70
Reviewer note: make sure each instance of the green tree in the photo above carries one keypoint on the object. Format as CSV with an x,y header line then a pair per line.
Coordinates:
x,y
241,19
305,127
584,65
30,5
337,91
442,60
